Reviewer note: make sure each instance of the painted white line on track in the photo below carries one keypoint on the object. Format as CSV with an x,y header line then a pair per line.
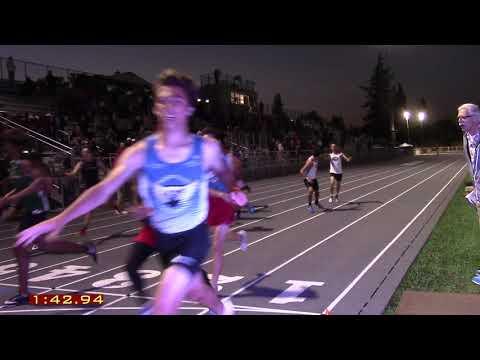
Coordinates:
x,y
384,250
293,198
78,258
303,188
284,229
63,289
94,228
255,281
14,226
299,180
324,198
11,237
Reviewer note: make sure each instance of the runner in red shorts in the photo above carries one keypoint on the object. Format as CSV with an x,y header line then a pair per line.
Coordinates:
x,y
220,216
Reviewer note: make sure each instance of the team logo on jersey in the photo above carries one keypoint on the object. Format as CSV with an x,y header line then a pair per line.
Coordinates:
x,y
171,192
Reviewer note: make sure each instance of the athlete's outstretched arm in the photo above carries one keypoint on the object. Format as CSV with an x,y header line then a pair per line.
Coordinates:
x,y
129,162
346,157
75,170
35,186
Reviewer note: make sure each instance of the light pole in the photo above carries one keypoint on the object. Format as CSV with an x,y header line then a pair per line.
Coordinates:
x,y
406,116
421,117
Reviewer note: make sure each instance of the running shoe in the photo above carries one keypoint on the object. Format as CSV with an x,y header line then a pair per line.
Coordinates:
x,y
476,279
252,209
17,300
336,199
320,207
330,199
228,308
117,212
147,309
34,247
243,240
92,251
124,212
310,209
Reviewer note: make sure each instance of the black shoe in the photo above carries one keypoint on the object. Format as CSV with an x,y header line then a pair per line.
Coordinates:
x,y
92,251
17,300
319,206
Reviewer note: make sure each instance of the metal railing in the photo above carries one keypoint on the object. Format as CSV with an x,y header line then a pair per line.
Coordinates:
x,y
35,71
37,136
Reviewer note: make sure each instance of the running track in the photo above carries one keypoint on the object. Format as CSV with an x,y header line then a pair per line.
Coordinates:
x,y
346,261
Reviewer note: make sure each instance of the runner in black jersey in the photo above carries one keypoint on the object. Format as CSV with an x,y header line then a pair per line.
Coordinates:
x,y
89,167
33,200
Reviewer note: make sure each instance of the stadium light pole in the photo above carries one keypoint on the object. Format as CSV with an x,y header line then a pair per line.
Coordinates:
x,y
406,116
421,117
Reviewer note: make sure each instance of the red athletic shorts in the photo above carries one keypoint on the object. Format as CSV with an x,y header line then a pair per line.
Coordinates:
x,y
146,236
220,212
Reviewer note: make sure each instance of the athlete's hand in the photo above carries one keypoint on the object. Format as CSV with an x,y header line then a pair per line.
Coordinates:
x,y
51,228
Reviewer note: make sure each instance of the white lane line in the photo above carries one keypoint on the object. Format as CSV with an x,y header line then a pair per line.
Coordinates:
x,y
41,310
139,308
287,228
12,236
137,229
78,258
273,311
96,274
237,308
300,179
83,309
324,198
234,228
14,226
90,230
297,207
385,249
48,289
303,188
255,281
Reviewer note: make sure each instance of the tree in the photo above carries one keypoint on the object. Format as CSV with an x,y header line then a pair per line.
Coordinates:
x,y
422,104
399,104
217,74
379,101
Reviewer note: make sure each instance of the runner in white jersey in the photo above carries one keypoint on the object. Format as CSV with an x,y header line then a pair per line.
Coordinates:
x,y
309,172
336,171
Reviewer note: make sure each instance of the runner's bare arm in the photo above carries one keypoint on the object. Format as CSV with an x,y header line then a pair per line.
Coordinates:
x,y
304,170
215,162
346,157
75,170
32,188
130,161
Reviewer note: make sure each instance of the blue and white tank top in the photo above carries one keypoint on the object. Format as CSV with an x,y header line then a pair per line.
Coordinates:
x,y
178,192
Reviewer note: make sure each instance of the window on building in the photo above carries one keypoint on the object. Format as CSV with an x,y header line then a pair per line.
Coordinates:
x,y
240,99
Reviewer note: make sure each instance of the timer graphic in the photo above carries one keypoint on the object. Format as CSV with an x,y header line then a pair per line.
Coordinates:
x,y
66,299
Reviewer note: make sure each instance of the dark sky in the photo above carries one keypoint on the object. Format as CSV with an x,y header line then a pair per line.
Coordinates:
x,y
320,77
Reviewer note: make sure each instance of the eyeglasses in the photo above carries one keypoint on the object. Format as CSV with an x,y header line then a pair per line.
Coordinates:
x,y
465,117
